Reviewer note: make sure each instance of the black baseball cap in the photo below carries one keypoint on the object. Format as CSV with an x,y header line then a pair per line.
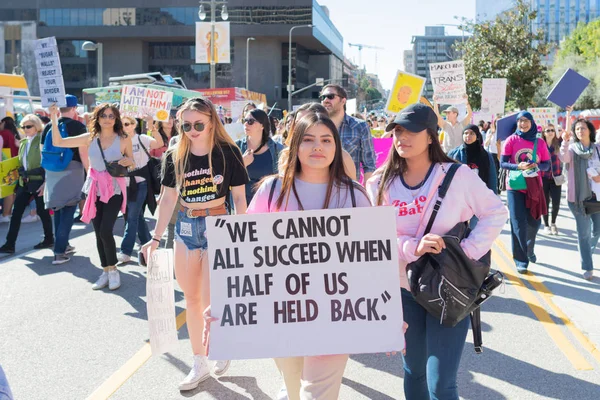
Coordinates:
x,y
415,118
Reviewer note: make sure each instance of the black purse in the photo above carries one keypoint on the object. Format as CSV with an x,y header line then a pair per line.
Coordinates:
x,y
154,169
450,285
113,168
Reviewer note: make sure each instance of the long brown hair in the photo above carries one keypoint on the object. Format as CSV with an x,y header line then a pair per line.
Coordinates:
x,y
395,165
337,174
219,138
94,125
556,141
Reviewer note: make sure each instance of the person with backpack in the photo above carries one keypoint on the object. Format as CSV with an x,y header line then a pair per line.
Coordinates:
x,y
110,156
260,151
31,179
65,174
140,189
409,181
314,178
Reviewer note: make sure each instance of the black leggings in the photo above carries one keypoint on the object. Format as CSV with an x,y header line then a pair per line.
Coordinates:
x,y
22,200
104,222
551,191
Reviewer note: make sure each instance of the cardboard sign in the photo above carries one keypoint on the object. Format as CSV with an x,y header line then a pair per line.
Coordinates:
x,y
544,116
160,293
568,88
382,148
506,126
236,131
52,86
449,82
138,102
407,90
9,176
351,106
237,107
493,96
304,283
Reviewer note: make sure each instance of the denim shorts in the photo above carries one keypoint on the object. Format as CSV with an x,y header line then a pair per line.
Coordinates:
x,y
191,231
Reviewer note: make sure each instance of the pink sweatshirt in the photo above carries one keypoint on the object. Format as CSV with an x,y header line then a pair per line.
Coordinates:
x,y
107,190
467,196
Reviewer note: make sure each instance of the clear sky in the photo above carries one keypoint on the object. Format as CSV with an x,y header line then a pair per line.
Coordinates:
x,y
391,24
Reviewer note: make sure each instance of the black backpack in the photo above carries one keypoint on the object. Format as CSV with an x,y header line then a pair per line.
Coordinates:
x,y
450,285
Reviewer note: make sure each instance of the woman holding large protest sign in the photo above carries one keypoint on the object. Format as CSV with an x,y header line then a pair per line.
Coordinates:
x,y
409,181
199,173
110,155
524,155
313,178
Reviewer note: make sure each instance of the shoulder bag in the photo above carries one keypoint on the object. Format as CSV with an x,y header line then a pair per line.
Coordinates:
x,y
113,168
154,167
450,285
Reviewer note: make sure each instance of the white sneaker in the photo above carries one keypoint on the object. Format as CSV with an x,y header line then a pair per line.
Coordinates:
x,y
547,230
102,282
4,219
114,279
198,373
282,395
554,229
588,275
29,219
220,367
70,250
123,258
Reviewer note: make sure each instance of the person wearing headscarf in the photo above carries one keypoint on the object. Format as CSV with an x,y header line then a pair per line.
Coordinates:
x,y
526,206
472,153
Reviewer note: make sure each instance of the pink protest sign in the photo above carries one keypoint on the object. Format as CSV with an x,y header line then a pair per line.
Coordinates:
x,y
382,149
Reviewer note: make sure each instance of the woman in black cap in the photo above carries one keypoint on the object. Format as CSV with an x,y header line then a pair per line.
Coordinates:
x,y
409,179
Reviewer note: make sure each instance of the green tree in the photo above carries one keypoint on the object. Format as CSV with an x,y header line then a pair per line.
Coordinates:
x,y
372,94
505,48
584,41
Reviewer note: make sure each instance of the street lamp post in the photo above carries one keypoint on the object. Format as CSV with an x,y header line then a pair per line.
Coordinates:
x,y
248,59
91,46
289,85
213,17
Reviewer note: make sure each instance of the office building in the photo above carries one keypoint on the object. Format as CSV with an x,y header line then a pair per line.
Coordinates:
x,y
433,47
145,36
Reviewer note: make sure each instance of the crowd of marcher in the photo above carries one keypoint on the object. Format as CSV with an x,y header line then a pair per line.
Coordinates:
x,y
309,160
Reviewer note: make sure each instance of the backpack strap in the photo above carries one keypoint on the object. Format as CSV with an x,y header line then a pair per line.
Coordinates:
x,y
442,190
352,195
271,192
476,328
144,147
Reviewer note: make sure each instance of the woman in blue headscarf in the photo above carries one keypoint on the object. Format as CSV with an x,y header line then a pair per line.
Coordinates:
x,y
526,206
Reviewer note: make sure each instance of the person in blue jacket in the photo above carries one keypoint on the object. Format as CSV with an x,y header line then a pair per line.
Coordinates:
x,y
472,153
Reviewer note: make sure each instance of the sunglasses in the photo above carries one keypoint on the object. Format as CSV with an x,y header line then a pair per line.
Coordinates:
x,y
27,126
107,116
549,130
249,121
198,126
330,96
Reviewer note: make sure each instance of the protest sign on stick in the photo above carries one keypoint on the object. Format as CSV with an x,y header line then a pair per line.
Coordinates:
x,y
139,102
52,86
493,96
568,88
304,283
160,295
544,116
407,90
449,82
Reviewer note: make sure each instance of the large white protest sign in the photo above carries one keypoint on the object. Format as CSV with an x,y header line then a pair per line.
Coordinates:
x,y
237,107
160,296
351,106
236,131
449,82
139,102
304,283
52,86
493,95
544,116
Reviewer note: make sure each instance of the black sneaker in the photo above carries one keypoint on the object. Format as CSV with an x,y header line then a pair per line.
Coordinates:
x,y
45,244
77,219
6,249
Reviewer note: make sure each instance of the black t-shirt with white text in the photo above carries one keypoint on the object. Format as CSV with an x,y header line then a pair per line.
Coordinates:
x,y
200,184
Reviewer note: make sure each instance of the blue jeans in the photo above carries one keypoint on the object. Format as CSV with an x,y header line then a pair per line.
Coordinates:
x,y
433,353
588,233
63,222
136,224
523,228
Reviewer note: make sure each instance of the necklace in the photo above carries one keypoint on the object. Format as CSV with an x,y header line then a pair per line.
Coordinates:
x,y
415,190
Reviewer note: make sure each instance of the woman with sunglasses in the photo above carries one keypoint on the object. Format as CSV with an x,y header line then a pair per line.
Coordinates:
x,y
167,131
314,178
260,151
139,191
31,178
581,156
199,173
106,195
552,190
409,179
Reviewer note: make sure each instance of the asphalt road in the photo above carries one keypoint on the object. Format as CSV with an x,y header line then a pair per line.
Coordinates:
x,y
61,340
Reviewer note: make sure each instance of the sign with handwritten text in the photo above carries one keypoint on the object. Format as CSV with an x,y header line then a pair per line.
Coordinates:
x,y
325,280
52,85
139,102
449,82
